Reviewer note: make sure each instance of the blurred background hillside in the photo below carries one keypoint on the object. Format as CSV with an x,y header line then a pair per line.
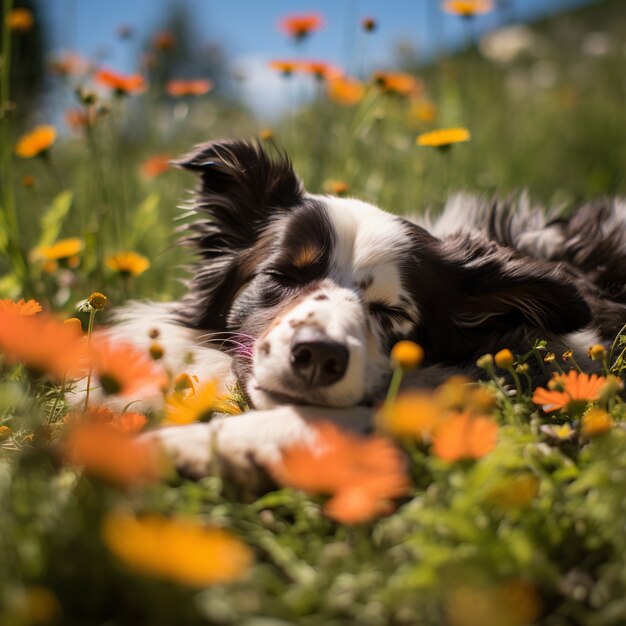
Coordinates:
x,y
539,85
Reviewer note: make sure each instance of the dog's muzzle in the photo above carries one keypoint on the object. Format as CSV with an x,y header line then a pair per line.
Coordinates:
x,y
317,359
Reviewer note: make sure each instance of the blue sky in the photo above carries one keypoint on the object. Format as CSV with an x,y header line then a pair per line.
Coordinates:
x,y
247,29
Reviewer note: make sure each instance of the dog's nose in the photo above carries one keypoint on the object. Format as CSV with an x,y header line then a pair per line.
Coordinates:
x,y
319,360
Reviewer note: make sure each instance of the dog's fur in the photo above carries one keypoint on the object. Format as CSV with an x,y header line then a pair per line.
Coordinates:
x,y
298,298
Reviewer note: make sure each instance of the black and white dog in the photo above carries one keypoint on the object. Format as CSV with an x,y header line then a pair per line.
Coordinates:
x,y
298,298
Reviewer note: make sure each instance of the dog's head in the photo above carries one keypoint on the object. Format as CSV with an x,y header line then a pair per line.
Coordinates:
x,y
317,289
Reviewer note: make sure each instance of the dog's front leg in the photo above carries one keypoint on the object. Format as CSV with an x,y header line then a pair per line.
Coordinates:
x,y
242,447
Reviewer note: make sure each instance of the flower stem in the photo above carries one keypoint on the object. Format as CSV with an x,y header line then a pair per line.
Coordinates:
x,y
394,387
92,315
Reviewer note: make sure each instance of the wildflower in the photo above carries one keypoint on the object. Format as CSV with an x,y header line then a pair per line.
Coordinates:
x,y
28,182
42,344
183,382
78,119
113,455
129,422
68,64
156,351
122,370
180,88
398,84
97,300
320,69
20,20
5,432
65,251
21,307
369,24
345,90
549,357
337,187
572,393
423,110
127,263
407,355
266,134
302,25
121,84
362,473
414,414
464,436
179,550
155,166
443,138
597,352
562,432
468,8
163,41
596,422
198,407
485,362
75,324
37,141
285,67
504,359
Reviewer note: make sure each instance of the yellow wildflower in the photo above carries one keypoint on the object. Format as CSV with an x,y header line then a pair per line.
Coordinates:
x,y
20,20
407,355
467,8
194,408
596,422
127,263
36,142
443,138
504,359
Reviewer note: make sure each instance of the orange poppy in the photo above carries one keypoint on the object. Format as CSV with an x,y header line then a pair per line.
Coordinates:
x,y
398,84
21,307
301,25
363,473
464,436
569,392
122,84
122,370
42,344
155,165
37,141
112,455
345,90
180,88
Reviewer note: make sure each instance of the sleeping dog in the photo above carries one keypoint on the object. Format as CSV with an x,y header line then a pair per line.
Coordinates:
x,y
298,298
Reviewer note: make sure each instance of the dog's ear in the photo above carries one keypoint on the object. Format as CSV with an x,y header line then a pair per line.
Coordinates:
x,y
240,189
490,294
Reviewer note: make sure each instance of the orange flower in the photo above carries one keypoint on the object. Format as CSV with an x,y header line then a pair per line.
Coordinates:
x,y
20,20
406,354
569,392
596,422
69,64
21,307
338,187
320,69
122,370
155,165
443,138
399,84
36,142
163,41
467,8
345,90
120,83
177,549
179,88
363,473
464,436
285,67
112,455
125,422
414,414
41,344
127,263
301,25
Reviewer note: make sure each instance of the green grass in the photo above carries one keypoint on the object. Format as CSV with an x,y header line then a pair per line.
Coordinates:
x,y
461,548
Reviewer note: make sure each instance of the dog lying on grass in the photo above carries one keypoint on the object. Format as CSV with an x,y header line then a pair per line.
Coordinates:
x,y
298,298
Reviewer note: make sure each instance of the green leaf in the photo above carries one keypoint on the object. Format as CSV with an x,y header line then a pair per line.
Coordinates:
x,y
145,217
10,286
52,221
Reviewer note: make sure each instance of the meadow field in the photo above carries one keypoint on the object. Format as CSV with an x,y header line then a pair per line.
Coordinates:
x,y
481,504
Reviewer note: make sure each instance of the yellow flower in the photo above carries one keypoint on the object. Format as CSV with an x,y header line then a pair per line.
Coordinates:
x,y
127,263
423,110
414,414
345,90
504,359
337,187
178,550
266,134
596,352
444,137
97,300
407,355
20,20
60,250
467,8
75,324
36,142
596,422
156,351
5,432
194,408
